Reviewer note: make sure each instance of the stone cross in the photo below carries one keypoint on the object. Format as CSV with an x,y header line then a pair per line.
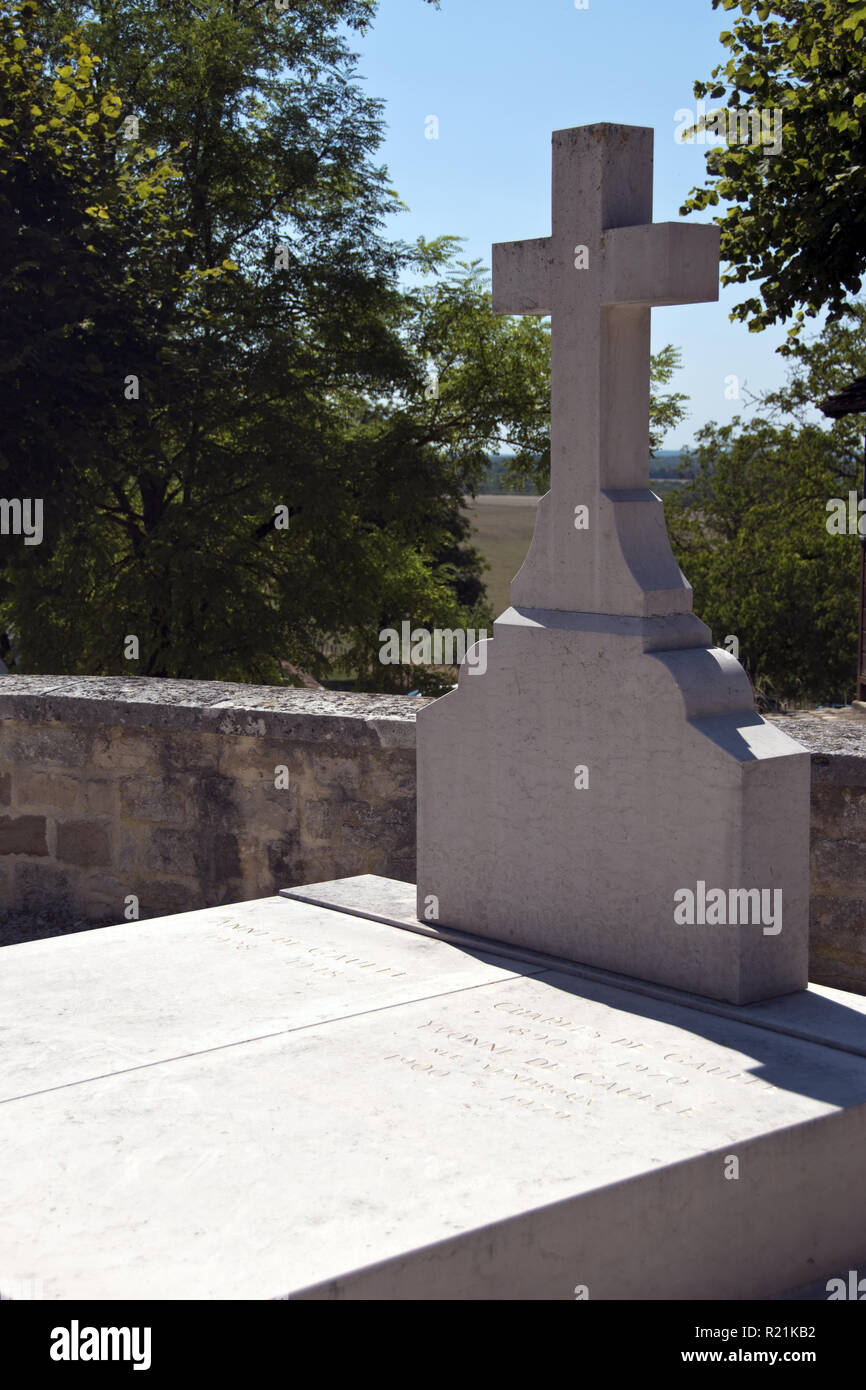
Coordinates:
x,y
604,764
599,273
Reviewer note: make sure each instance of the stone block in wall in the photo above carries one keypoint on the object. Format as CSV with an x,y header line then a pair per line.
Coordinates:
x,y
266,811
101,797
839,868
284,859
329,770
131,840
29,743
225,863
162,897
836,769
149,798
49,791
116,750
320,865
217,805
252,762
365,825
84,842
387,776
23,835
6,789
841,922
185,757
838,943
40,885
109,894
838,812
105,897
214,860
317,820
171,851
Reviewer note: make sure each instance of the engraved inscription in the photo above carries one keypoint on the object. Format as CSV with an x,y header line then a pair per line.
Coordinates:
x,y
532,1079
326,958
677,1058
549,1063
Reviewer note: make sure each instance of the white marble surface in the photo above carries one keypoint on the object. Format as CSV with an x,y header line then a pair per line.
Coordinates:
x,y
173,986
818,1013
275,1100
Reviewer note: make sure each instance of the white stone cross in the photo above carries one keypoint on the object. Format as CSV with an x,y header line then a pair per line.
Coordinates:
x,y
598,274
606,756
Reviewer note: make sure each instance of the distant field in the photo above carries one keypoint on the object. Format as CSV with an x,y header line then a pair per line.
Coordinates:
x,y
502,529
662,485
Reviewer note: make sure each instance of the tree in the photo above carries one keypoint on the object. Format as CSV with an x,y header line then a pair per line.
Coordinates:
x,y
666,411
263,465
530,462
797,220
750,530
74,200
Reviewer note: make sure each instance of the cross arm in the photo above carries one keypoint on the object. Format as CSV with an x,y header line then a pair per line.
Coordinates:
x,y
522,276
661,263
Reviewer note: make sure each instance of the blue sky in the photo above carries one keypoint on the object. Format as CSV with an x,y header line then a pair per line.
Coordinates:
x,y
500,75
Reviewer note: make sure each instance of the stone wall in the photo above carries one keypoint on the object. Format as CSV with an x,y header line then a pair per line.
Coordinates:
x,y
188,794
838,917
170,791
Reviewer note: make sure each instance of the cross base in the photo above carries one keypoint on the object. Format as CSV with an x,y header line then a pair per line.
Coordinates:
x,y
622,564
599,772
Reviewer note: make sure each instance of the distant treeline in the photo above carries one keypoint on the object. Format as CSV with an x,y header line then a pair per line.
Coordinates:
x,y
494,480
665,464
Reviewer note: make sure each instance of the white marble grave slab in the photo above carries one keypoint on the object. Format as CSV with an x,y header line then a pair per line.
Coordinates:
x,y
194,1110
179,985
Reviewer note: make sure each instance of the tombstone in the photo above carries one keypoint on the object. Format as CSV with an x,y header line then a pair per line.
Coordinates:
x,y
605,791
282,1100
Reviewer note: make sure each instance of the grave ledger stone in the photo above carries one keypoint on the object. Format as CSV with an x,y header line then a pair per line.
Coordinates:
x,y
287,1099
605,791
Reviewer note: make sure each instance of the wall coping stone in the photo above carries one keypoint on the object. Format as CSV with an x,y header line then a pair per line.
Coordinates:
x,y
216,707
837,745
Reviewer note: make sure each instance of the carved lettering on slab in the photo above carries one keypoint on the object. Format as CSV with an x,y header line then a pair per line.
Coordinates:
x,y
542,1063
330,960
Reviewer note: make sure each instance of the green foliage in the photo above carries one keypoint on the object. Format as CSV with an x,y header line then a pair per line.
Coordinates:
x,y
530,463
750,530
666,411
76,201
797,220
228,256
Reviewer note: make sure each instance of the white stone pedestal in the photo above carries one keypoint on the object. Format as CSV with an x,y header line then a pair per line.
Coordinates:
x,y
598,766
